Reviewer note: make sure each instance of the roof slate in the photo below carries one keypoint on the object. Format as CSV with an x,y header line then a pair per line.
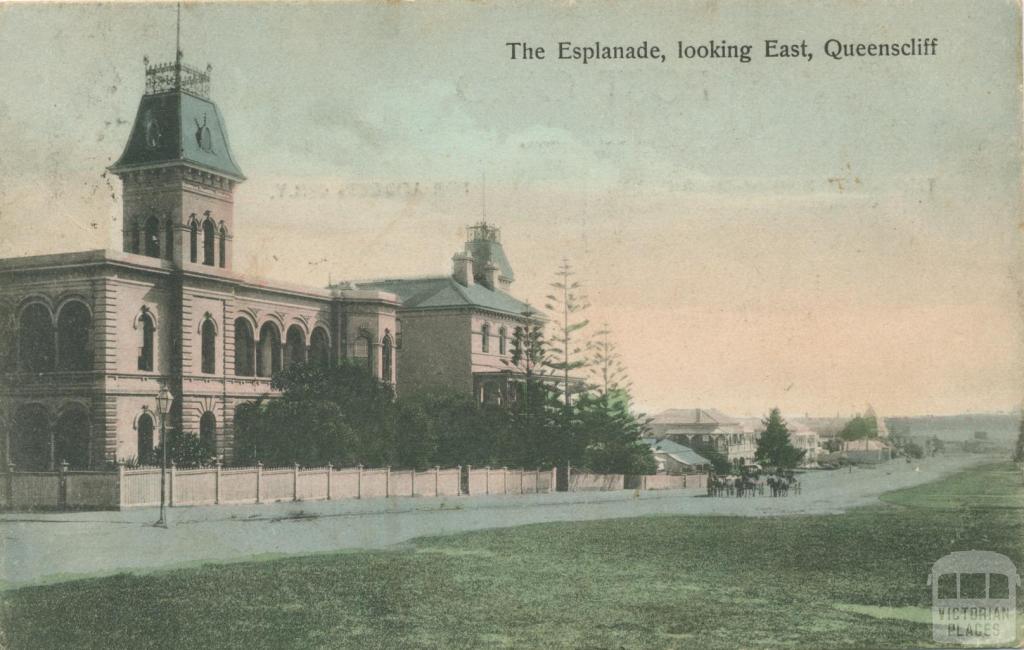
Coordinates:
x,y
176,126
444,291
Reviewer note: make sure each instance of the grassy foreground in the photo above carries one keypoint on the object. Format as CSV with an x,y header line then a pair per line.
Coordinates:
x,y
846,581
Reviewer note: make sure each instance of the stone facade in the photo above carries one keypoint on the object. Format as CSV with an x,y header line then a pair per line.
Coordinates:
x,y
94,335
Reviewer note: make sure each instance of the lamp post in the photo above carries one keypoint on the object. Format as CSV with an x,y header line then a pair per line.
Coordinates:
x,y
163,406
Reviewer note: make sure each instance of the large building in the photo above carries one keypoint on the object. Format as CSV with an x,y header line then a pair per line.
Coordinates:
x,y
457,330
706,429
96,334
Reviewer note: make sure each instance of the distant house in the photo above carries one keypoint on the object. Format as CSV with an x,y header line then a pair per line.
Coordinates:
x,y
674,458
702,429
867,450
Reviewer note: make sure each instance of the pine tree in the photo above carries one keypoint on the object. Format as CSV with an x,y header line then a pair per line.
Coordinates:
x,y
774,448
609,371
566,303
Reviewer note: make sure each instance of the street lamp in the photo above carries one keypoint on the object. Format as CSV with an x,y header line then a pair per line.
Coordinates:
x,y
163,406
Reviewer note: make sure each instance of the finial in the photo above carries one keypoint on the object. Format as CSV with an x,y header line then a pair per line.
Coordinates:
x,y
177,40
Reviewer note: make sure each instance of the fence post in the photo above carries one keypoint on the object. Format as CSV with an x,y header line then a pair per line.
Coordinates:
x,y
522,483
359,482
62,486
330,472
553,485
488,483
170,489
458,485
387,481
119,487
295,482
412,482
259,481
437,478
568,476
216,483
469,480
10,485
504,480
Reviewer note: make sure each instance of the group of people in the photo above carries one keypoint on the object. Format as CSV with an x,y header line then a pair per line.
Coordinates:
x,y
779,483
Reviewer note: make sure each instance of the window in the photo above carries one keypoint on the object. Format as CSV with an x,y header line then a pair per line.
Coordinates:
x,y
169,239
152,234
209,345
208,237
73,328
319,347
35,339
133,243
295,346
71,437
193,240
146,329
30,438
387,354
268,355
502,341
485,338
145,437
208,431
223,246
245,349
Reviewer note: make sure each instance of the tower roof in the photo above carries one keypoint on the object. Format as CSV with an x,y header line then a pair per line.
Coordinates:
x,y
483,243
178,123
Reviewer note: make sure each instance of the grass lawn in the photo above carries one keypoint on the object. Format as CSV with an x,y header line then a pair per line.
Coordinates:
x,y
844,581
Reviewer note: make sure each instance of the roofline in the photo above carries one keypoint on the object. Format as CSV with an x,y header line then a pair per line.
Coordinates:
x,y
121,169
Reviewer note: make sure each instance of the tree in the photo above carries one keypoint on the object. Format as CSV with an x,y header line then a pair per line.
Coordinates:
x,y
567,302
859,428
338,414
774,447
184,450
611,377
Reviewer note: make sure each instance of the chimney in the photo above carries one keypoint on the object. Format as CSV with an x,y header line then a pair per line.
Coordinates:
x,y
463,269
489,276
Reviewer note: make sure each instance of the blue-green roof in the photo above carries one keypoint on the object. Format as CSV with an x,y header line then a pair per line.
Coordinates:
x,y
445,292
680,452
176,126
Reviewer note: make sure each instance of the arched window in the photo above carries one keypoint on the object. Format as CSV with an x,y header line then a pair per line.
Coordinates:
x,y
387,350
145,437
193,241
368,346
208,431
502,341
208,241
133,243
245,349
35,339
319,347
152,235
268,355
30,438
295,346
74,324
169,239
223,246
147,343
71,437
485,338
209,347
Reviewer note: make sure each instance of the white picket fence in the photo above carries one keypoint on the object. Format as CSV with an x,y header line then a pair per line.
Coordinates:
x,y
239,485
502,480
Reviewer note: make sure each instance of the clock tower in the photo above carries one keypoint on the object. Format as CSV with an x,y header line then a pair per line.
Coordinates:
x,y
178,173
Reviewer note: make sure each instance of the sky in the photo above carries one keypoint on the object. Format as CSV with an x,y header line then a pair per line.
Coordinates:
x,y
814,235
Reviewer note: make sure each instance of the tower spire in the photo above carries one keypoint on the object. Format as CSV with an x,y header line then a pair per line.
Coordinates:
x,y
177,38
